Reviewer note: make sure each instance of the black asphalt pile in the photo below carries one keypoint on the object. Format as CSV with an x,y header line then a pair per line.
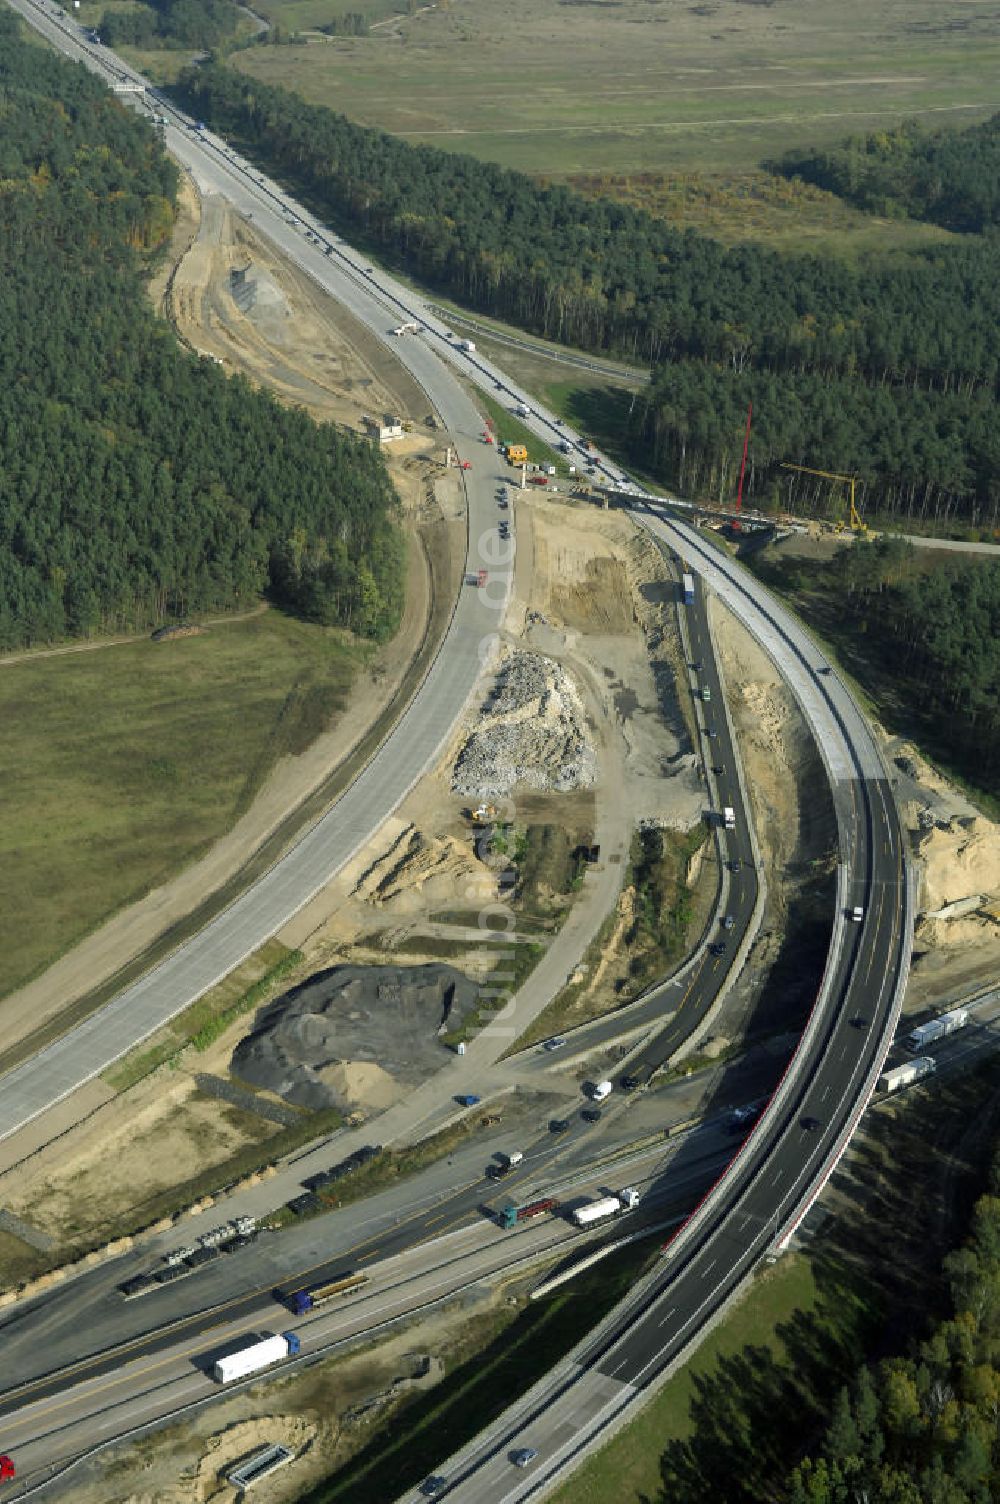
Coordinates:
x,y
391,1016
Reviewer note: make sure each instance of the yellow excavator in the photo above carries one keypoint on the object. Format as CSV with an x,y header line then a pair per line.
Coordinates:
x,y
856,523
485,814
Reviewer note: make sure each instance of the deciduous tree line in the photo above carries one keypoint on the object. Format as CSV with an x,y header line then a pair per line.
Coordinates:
x,y
951,178
923,1429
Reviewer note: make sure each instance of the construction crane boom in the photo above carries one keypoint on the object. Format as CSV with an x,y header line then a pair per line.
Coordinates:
x,y
858,525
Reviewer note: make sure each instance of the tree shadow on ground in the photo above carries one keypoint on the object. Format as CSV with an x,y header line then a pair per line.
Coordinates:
x,y
900,1202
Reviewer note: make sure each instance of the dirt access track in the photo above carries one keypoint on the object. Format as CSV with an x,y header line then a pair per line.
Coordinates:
x,y
307,349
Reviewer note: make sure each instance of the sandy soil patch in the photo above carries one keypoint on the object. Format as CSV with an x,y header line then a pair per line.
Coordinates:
x,y
149,1139
234,298
774,743
957,850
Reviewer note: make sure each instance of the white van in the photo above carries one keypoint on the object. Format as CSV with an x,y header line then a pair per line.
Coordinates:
x,y
601,1090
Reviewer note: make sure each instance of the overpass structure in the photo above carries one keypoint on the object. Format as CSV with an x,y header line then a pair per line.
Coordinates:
x,y
759,1201
754,1209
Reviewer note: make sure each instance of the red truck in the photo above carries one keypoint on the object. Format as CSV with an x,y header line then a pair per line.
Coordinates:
x,y
510,1216
7,1468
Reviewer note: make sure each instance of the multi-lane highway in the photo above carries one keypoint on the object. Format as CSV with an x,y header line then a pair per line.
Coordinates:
x,y
766,1190
763,1195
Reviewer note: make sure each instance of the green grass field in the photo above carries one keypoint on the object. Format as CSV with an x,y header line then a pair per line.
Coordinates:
x,y
628,1469
566,87
306,15
124,764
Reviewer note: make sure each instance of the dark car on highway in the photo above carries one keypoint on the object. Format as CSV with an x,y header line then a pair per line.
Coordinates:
x,y
591,1114
629,1083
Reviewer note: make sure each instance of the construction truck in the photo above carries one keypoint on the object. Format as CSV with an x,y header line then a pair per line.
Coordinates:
x,y
517,454
484,814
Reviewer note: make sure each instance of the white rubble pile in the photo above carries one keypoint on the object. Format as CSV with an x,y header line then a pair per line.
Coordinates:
x,y
531,731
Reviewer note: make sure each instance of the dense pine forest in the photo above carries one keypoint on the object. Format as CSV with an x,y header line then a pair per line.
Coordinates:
x,y
911,337
137,482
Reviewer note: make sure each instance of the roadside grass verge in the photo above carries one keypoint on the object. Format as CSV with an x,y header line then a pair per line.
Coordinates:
x,y
389,1167
125,764
745,1366
510,429
207,1019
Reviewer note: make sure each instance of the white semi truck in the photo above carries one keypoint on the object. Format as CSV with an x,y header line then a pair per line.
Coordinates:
x,y
256,1357
906,1075
609,1206
937,1028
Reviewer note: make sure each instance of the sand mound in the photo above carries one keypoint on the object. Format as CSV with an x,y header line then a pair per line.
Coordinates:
x,y
959,862
971,932
415,870
362,1083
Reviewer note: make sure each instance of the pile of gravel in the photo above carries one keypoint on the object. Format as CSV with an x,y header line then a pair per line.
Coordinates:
x,y
531,731
391,1015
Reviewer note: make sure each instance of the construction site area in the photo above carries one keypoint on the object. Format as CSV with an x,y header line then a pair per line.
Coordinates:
x,y
523,853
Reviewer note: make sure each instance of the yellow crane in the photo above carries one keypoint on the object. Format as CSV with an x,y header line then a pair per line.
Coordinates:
x,y
858,525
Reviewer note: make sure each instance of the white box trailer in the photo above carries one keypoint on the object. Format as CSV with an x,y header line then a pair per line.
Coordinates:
x,y
256,1357
729,818
907,1074
937,1028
